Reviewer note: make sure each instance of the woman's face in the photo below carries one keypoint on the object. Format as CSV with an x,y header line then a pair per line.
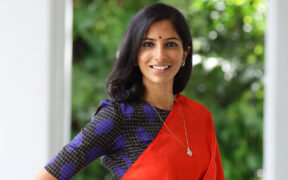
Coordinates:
x,y
161,54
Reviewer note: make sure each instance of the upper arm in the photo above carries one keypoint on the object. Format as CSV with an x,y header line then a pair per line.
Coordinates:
x,y
94,140
220,172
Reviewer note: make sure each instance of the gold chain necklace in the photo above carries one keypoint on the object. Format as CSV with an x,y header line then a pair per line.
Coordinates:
x,y
189,152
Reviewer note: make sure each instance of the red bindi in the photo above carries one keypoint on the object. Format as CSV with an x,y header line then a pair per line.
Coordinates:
x,y
160,37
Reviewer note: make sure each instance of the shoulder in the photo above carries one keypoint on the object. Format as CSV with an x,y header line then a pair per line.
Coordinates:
x,y
107,106
116,109
192,104
200,113
197,111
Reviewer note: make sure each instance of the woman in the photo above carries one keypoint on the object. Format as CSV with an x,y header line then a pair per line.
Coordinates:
x,y
148,130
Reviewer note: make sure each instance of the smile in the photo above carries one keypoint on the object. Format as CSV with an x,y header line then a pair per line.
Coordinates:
x,y
160,67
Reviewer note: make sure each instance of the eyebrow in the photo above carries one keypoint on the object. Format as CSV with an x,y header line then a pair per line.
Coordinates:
x,y
151,39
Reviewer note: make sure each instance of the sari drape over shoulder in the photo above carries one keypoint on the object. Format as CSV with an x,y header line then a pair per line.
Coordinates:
x,y
166,159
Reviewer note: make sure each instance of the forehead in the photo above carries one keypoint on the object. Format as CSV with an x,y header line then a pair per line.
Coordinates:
x,y
162,28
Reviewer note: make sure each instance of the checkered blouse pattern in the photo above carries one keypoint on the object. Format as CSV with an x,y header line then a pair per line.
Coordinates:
x,y
118,131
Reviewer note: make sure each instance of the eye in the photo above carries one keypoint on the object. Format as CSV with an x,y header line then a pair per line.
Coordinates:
x,y
172,44
147,44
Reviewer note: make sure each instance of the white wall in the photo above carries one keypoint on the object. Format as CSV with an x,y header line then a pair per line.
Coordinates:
x,y
35,68
276,92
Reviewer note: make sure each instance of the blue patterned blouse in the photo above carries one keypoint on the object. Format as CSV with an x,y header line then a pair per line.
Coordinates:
x,y
118,131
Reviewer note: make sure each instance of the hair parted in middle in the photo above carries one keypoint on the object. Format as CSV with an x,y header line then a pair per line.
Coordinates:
x,y
125,80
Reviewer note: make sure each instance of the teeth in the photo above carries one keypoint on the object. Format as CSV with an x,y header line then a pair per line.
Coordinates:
x,y
160,67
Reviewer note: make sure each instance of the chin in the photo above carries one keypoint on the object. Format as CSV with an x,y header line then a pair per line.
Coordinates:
x,y
159,81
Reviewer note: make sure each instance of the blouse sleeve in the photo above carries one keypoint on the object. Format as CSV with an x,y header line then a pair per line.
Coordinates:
x,y
93,141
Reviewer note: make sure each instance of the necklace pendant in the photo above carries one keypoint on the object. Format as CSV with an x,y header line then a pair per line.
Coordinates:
x,y
189,152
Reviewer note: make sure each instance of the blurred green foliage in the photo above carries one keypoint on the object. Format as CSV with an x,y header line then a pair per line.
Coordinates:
x,y
228,38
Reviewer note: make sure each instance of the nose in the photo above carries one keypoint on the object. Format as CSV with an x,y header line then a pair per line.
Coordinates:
x,y
159,53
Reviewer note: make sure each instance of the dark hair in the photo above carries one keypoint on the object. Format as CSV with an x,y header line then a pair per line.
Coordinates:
x,y
125,81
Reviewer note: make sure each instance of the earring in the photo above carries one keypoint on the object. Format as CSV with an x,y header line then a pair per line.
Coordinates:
x,y
183,64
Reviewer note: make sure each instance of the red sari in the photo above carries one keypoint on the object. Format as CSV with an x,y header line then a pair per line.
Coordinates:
x,y
166,159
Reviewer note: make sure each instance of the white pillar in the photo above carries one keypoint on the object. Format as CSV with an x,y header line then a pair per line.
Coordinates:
x,y
35,71
276,92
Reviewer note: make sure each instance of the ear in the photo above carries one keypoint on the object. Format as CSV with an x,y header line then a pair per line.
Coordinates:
x,y
185,53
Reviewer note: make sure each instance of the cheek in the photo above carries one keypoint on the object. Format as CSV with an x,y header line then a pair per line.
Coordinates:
x,y
142,58
177,58
176,55
141,62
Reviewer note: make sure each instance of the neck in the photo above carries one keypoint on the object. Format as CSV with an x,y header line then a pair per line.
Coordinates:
x,y
160,96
